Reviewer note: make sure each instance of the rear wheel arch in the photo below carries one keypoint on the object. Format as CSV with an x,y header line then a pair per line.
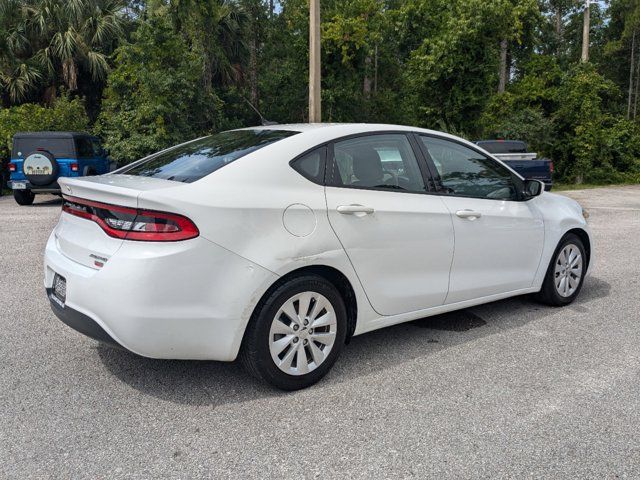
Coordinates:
x,y
330,274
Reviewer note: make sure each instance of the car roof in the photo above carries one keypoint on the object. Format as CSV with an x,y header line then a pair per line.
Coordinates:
x,y
52,135
343,129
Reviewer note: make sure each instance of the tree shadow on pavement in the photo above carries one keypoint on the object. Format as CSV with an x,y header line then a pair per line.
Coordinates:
x,y
218,383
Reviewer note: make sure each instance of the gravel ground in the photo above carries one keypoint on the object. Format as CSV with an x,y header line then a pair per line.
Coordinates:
x,y
510,389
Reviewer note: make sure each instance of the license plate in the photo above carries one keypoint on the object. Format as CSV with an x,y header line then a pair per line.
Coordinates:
x,y
59,293
18,185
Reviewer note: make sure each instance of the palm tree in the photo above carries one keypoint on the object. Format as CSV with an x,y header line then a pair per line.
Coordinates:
x,y
47,43
216,28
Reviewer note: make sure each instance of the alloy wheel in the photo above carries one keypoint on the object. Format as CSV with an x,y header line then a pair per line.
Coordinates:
x,y
302,333
568,270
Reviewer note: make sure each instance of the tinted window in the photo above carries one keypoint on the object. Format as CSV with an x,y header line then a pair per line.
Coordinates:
x,y
190,162
385,162
468,173
506,146
59,147
312,165
97,147
84,148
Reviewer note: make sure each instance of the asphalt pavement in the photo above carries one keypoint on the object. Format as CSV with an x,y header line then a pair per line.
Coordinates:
x,y
511,389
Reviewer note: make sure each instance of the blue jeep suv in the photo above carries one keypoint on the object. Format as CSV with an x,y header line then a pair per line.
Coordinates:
x,y
38,159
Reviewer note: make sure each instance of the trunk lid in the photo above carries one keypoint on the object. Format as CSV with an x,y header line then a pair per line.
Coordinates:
x,y
83,240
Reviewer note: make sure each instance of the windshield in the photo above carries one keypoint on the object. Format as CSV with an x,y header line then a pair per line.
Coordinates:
x,y
190,162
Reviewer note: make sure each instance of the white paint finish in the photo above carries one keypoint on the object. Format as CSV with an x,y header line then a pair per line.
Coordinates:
x,y
495,252
77,239
193,299
299,220
401,251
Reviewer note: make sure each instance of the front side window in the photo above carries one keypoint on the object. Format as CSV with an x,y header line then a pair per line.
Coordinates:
x,y
384,162
194,160
467,173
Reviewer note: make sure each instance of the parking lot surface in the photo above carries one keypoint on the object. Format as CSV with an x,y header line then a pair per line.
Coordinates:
x,y
509,389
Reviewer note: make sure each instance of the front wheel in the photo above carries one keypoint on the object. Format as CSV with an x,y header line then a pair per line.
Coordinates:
x,y
24,197
296,333
565,274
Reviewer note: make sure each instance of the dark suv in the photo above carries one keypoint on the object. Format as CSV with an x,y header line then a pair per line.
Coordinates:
x,y
38,159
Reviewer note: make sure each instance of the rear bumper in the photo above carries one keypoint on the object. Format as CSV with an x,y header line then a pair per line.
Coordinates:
x,y
178,300
80,322
51,188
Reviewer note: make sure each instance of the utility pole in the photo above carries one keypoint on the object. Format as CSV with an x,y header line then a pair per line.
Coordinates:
x,y
631,68
585,32
314,62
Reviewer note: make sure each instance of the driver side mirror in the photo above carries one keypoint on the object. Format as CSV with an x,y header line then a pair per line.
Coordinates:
x,y
533,188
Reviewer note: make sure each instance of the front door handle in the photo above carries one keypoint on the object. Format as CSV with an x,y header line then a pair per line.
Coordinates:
x,y
353,209
470,214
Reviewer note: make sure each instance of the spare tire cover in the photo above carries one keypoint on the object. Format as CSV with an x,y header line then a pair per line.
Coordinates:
x,y
40,168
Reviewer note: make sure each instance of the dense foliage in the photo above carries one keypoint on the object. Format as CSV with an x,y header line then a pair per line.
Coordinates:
x,y
148,74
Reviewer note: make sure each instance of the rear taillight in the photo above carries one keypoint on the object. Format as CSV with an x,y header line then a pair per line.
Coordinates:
x,y
132,223
74,167
12,167
551,167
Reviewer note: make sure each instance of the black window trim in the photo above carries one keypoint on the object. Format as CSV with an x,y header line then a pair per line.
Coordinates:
x,y
323,159
436,176
331,168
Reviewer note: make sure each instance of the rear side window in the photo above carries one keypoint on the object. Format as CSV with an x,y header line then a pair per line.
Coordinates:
x,y
383,161
58,147
311,165
84,148
197,159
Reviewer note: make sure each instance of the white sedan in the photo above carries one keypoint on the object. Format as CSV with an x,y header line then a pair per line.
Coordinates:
x,y
277,244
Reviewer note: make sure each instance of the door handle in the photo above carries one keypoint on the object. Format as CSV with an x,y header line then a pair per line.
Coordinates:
x,y
471,214
353,209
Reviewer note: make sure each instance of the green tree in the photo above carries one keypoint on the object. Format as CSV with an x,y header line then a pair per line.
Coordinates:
x,y
154,98
64,114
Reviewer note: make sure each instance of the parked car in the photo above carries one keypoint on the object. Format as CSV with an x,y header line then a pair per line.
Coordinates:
x,y
515,154
39,159
279,243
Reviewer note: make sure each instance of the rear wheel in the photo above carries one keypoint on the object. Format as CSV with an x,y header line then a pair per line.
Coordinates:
x,y
296,334
24,197
565,274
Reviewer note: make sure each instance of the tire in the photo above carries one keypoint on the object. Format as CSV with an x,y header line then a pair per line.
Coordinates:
x,y
24,197
259,350
41,168
554,291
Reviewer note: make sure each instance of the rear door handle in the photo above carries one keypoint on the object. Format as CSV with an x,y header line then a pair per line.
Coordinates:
x,y
471,214
353,209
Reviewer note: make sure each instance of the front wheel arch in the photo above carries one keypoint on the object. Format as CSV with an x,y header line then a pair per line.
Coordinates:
x,y
586,242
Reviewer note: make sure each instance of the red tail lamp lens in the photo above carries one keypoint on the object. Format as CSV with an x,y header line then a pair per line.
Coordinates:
x,y
132,223
12,167
74,167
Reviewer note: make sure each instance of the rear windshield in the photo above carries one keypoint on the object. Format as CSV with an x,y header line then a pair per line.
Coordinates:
x,y
504,146
190,162
59,147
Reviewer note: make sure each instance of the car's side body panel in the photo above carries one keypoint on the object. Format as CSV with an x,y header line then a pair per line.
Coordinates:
x,y
401,252
496,252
